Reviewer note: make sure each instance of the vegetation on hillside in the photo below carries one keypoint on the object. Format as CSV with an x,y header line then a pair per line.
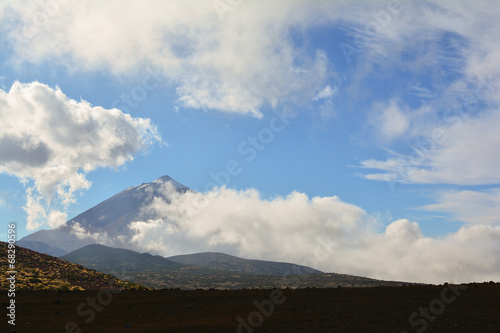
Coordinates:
x,y
38,271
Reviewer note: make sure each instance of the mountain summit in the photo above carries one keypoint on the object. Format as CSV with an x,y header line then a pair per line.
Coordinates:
x,y
111,217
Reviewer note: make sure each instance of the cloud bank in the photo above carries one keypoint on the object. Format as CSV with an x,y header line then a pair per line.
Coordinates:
x,y
54,141
322,232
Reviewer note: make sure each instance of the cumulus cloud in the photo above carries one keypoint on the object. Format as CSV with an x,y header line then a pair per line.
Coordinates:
x,y
35,211
322,232
54,141
99,237
244,223
401,252
56,219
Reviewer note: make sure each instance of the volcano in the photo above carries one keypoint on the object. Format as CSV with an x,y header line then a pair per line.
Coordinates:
x,y
110,217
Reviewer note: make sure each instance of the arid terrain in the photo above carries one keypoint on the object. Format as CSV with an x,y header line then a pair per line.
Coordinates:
x,y
463,308
39,271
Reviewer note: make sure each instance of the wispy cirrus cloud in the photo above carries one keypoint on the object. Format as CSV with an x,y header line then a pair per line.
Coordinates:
x,y
473,207
450,138
459,152
452,134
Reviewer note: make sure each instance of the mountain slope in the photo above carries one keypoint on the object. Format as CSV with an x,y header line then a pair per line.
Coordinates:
x,y
110,217
226,262
39,271
209,270
108,259
41,247
114,214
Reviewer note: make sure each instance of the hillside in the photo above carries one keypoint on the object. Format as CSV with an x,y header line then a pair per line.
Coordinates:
x,y
104,258
38,271
218,271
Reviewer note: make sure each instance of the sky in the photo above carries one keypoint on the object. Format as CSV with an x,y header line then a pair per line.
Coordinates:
x,y
367,128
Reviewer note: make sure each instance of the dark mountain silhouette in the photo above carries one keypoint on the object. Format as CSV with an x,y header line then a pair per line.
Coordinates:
x,y
209,270
108,259
226,262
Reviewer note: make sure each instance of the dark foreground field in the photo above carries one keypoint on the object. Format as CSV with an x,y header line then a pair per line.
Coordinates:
x,y
468,308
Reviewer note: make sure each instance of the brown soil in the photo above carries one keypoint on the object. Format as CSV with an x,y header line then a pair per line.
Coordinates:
x,y
470,308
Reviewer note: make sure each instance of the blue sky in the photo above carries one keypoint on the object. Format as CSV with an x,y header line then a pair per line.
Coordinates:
x,y
390,106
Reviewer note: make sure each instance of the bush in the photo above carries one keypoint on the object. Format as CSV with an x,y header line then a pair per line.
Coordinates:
x,y
63,287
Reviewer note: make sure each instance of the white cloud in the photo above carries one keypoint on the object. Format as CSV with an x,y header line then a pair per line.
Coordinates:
x,y
94,237
243,222
325,109
390,120
6,198
35,211
240,64
38,215
422,92
56,219
458,150
455,132
402,253
54,141
470,206
249,60
322,232
326,93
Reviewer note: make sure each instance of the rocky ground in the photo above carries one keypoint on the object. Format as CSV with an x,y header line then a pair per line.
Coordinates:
x,y
445,308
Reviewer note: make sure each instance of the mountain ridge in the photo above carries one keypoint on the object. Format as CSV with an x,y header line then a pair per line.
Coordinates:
x,y
236,264
104,258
